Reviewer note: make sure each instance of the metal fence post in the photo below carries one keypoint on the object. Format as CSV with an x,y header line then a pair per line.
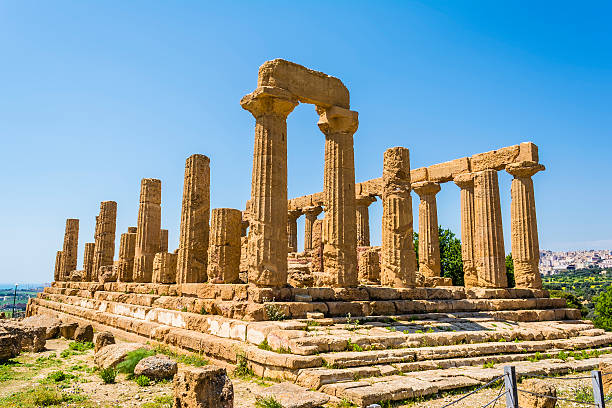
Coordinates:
x,y
511,389
598,394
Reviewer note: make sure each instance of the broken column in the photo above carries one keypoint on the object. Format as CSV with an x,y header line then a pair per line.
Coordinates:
x,y
488,234
69,252
125,264
224,246
195,213
147,238
163,240
397,253
164,268
292,239
466,183
339,226
429,239
524,225
311,214
88,257
267,247
57,275
363,219
104,250
317,246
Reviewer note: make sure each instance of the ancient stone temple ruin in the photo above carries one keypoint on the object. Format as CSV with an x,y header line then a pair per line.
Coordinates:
x,y
351,320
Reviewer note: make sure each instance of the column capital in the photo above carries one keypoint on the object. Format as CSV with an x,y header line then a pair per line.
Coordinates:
x,y
424,188
364,200
464,180
314,210
524,169
337,120
293,215
269,100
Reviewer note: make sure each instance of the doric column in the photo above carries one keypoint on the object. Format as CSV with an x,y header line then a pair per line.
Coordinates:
x,y
488,233
69,252
369,266
311,214
292,239
57,275
267,247
524,225
429,239
125,264
317,246
398,267
164,268
466,183
195,214
147,238
88,258
339,226
224,249
163,240
104,250
363,219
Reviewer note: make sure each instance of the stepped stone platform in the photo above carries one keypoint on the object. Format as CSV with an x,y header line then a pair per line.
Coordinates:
x,y
365,344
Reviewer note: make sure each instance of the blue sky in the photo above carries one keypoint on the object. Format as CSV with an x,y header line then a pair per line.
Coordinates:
x,y
95,96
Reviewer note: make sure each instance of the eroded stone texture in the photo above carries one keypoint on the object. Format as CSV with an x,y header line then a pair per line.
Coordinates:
x,y
203,387
317,246
429,239
524,225
267,246
88,258
339,226
546,394
163,240
57,275
363,219
292,239
311,214
466,183
369,266
127,248
147,238
397,253
195,213
69,253
106,221
224,246
164,268
488,232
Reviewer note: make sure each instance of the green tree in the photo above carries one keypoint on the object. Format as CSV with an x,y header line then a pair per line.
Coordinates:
x,y
603,310
450,255
510,270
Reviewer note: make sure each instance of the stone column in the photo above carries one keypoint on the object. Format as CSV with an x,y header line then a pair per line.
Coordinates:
x,y
466,183
267,247
147,238
488,233
524,225
311,214
104,251
125,264
71,244
339,226
429,239
292,217
363,219
88,258
224,249
195,213
369,266
57,275
164,268
163,240
398,267
317,246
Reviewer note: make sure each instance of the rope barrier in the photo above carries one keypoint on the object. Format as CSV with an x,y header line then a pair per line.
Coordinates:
x,y
473,392
556,378
557,398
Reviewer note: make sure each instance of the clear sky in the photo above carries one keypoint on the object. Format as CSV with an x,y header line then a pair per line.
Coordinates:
x,y
95,96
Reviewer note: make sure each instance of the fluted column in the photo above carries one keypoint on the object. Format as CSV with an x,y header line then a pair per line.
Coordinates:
x,y
267,243
104,250
398,267
488,232
317,246
363,219
311,214
163,240
429,238
57,275
224,249
339,226
292,240
524,225
195,213
88,258
147,238
125,264
466,183
69,252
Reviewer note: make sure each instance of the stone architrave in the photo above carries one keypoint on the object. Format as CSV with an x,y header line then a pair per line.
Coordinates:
x,y
398,267
57,276
69,252
125,264
488,233
164,268
163,240
340,225
317,246
524,225
88,258
311,214
104,250
466,183
429,239
267,244
292,239
224,246
147,238
195,214
363,219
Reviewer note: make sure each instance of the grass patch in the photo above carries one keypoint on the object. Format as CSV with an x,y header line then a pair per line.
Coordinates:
x,y
133,357
162,401
268,402
41,396
185,358
80,346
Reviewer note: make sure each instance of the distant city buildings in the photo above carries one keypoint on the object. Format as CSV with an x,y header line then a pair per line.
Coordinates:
x,y
555,262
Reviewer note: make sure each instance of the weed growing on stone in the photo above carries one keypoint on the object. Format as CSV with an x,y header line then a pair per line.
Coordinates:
x,y
185,358
489,364
264,345
353,347
242,368
274,312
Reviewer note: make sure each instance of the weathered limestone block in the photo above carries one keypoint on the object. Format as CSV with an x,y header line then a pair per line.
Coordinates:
x,y
397,253
103,339
15,337
267,251
300,276
317,246
311,214
67,330
157,367
148,236
88,258
339,226
203,387
107,273
362,215
537,387
444,172
164,267
224,246
57,275
524,225
290,395
104,251
69,252
292,239
495,159
163,240
605,366
125,264
51,324
429,239
466,183
84,333
369,266
113,354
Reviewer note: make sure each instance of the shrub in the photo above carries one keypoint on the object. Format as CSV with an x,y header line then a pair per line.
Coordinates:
x,y
108,375
133,357
242,368
46,396
603,310
268,402
58,376
143,380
